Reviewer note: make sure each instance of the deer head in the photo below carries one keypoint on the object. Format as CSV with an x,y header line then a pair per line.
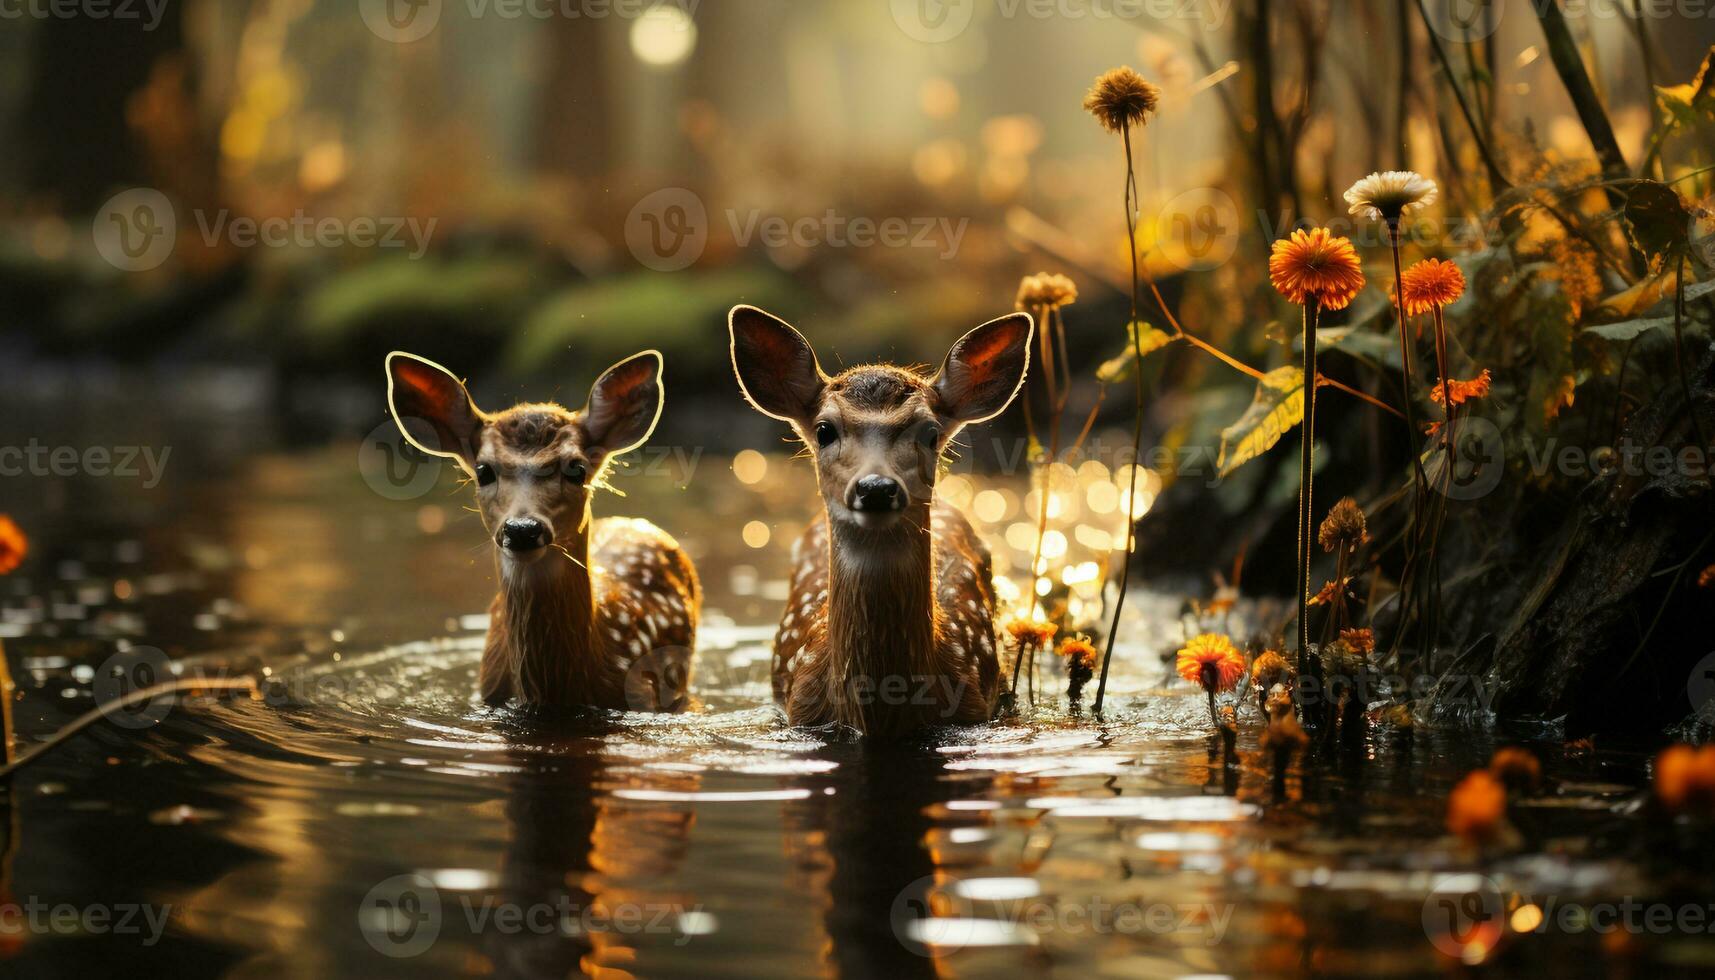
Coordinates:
x,y
534,465
876,432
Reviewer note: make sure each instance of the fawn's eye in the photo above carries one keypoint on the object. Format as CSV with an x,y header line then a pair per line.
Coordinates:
x,y
826,434
485,474
573,472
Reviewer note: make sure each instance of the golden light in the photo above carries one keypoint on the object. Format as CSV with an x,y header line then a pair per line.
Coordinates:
x,y
989,506
938,97
1021,535
1526,918
756,534
956,490
1102,498
1093,538
664,36
749,466
1053,544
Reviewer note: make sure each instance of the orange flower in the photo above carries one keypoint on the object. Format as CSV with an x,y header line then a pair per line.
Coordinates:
x,y
1517,768
1270,669
13,545
1212,661
1316,264
1477,808
1459,392
1327,594
1430,284
1685,779
1706,578
1078,651
1361,640
1031,632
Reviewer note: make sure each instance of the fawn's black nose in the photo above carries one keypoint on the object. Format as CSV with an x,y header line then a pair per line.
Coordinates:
x,y
523,534
878,493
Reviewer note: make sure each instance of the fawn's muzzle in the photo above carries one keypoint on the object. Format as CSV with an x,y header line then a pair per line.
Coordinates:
x,y
522,534
877,493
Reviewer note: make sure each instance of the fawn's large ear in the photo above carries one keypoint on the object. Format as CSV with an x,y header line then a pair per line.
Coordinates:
x,y
432,407
625,403
985,369
776,368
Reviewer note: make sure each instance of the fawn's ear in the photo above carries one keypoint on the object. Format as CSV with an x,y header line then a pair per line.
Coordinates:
x,y
985,369
625,404
432,407
776,367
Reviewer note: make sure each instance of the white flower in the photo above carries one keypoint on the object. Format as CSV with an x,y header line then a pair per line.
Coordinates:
x,y
1391,193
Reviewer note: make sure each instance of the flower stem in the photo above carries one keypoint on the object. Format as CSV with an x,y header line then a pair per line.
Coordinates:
x,y
1137,419
1307,463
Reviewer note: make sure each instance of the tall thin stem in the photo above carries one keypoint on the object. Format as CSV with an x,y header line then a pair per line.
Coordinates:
x,y
1307,463
1137,419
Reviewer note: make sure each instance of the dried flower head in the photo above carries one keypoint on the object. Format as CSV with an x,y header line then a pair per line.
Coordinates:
x,y
1517,768
1390,194
1078,652
1685,780
1046,289
1343,529
1121,99
1316,265
1032,633
1431,284
1269,669
1456,392
1477,808
1278,702
13,545
1212,661
1706,578
1361,640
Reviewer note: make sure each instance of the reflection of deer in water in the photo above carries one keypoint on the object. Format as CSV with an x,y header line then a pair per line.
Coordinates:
x,y
599,613
869,842
570,847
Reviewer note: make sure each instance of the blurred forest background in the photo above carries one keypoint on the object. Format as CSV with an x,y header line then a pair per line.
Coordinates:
x,y
536,159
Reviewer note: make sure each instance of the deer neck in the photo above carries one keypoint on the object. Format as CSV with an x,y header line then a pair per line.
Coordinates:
x,y
548,613
881,615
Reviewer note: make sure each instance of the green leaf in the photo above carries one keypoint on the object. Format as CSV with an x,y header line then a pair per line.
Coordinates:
x,y
1276,408
1630,329
1139,333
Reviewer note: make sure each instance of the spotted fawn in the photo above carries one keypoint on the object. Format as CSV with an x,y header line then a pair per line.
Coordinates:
x,y
601,613
889,618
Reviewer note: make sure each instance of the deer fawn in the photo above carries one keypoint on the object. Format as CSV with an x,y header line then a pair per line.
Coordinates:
x,y
601,614
889,617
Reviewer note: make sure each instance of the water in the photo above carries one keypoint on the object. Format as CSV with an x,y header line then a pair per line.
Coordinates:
x,y
366,817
